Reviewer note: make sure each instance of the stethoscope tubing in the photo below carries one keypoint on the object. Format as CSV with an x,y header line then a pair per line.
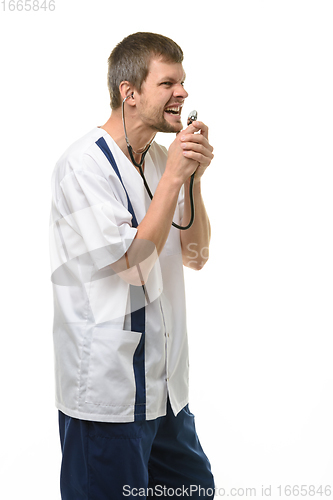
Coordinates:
x,y
139,165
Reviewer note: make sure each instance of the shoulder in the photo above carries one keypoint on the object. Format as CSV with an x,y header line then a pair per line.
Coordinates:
x,y
159,155
159,150
79,155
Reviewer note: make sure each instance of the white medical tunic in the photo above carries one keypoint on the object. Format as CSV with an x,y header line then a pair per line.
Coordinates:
x,y
107,368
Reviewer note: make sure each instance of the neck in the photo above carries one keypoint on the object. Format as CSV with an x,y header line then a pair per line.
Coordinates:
x,y
138,134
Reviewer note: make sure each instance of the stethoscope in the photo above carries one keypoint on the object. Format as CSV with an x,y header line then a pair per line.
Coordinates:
x,y
192,117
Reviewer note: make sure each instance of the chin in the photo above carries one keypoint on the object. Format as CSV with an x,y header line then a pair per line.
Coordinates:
x,y
168,127
178,126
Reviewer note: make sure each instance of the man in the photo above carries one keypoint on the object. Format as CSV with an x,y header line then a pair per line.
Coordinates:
x,y
120,336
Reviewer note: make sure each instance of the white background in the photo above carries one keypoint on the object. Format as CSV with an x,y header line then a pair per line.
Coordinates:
x,y
260,312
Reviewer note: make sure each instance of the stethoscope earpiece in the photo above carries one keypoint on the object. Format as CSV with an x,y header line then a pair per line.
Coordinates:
x,y
127,97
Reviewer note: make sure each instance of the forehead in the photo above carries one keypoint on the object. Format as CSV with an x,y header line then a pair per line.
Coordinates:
x,y
159,69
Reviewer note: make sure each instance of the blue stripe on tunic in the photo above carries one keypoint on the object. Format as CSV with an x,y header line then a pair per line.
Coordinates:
x,y
138,316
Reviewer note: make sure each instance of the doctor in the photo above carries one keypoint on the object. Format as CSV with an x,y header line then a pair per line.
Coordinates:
x,y
120,337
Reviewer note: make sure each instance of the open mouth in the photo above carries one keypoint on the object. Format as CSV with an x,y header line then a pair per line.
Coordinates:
x,y
174,110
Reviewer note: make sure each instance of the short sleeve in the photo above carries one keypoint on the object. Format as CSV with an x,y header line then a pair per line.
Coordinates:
x,y
93,219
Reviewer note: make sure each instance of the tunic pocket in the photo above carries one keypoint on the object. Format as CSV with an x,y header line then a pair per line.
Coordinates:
x,y
111,380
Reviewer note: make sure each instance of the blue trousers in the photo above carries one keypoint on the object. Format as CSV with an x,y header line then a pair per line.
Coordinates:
x,y
159,458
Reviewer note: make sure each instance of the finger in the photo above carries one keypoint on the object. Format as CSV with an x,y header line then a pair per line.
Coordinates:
x,y
196,139
194,128
202,127
191,129
197,148
203,159
188,130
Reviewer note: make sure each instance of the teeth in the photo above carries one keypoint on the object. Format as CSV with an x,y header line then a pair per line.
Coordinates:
x,y
173,110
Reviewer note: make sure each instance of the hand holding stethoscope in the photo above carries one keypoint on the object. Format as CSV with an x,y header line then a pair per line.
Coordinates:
x,y
191,118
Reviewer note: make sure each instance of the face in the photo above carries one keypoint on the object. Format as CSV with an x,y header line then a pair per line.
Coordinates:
x,y
162,96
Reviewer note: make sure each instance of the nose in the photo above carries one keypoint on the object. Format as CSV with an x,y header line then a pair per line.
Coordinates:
x,y
180,92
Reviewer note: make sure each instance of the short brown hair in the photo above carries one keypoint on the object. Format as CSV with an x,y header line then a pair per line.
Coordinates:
x,y
129,60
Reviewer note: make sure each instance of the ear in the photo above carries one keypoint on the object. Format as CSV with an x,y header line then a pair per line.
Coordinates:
x,y
126,89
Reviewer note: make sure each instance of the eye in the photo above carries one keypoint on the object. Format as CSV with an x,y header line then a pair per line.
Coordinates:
x,y
168,84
